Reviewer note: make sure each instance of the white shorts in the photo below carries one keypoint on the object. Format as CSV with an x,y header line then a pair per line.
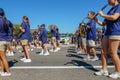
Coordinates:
x,y
4,45
114,37
90,43
83,41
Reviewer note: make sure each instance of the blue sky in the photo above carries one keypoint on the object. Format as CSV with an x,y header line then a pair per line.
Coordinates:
x,y
66,14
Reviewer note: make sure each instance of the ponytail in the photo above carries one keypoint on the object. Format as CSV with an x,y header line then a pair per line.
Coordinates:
x,y
28,21
5,24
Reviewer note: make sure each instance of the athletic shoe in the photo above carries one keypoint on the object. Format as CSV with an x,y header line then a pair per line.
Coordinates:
x,y
95,59
11,54
27,60
76,50
42,52
7,53
58,48
28,49
55,50
51,50
87,59
39,47
31,49
6,74
23,59
20,51
83,52
1,72
16,48
101,72
47,53
115,75
79,52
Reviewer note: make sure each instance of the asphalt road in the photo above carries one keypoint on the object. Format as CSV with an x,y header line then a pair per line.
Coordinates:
x,y
63,65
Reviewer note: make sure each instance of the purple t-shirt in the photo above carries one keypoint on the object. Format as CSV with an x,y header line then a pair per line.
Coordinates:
x,y
43,35
53,32
113,27
26,34
35,35
91,33
5,35
57,35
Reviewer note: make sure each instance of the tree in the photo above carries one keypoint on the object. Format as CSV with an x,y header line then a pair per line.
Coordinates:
x,y
16,31
49,27
39,27
70,34
48,34
98,29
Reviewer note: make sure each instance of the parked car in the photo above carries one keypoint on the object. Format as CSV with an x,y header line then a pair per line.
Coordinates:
x,y
65,40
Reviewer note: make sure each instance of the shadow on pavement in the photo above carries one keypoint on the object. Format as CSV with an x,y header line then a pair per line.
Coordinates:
x,y
71,49
11,63
74,55
81,63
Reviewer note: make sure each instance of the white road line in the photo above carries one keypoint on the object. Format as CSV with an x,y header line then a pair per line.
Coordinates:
x,y
57,67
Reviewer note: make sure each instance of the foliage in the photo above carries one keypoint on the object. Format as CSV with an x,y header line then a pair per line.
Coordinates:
x,y
39,27
67,34
48,34
98,29
16,31
49,27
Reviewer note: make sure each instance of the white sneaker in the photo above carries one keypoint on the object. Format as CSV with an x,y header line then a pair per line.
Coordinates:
x,y
28,49
101,72
51,50
11,54
6,74
79,52
39,47
115,75
47,53
31,49
55,50
20,51
87,59
16,48
95,59
23,59
8,53
42,52
1,72
83,52
76,50
27,60
58,48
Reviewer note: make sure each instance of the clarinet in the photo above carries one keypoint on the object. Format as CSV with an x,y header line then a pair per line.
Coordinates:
x,y
95,14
